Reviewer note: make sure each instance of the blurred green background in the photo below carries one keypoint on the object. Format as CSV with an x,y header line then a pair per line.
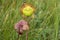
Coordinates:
x,y
44,26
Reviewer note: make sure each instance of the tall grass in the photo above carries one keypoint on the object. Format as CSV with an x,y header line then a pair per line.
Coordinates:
x,y
45,25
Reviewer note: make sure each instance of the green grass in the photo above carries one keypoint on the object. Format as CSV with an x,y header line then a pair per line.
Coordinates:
x,y
45,25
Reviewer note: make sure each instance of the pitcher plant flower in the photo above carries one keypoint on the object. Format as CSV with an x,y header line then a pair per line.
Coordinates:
x,y
27,9
21,26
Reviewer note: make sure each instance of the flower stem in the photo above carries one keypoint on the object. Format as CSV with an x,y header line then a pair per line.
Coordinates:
x,y
18,37
26,35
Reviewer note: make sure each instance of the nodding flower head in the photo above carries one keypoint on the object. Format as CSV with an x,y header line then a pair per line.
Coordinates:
x,y
21,26
27,9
